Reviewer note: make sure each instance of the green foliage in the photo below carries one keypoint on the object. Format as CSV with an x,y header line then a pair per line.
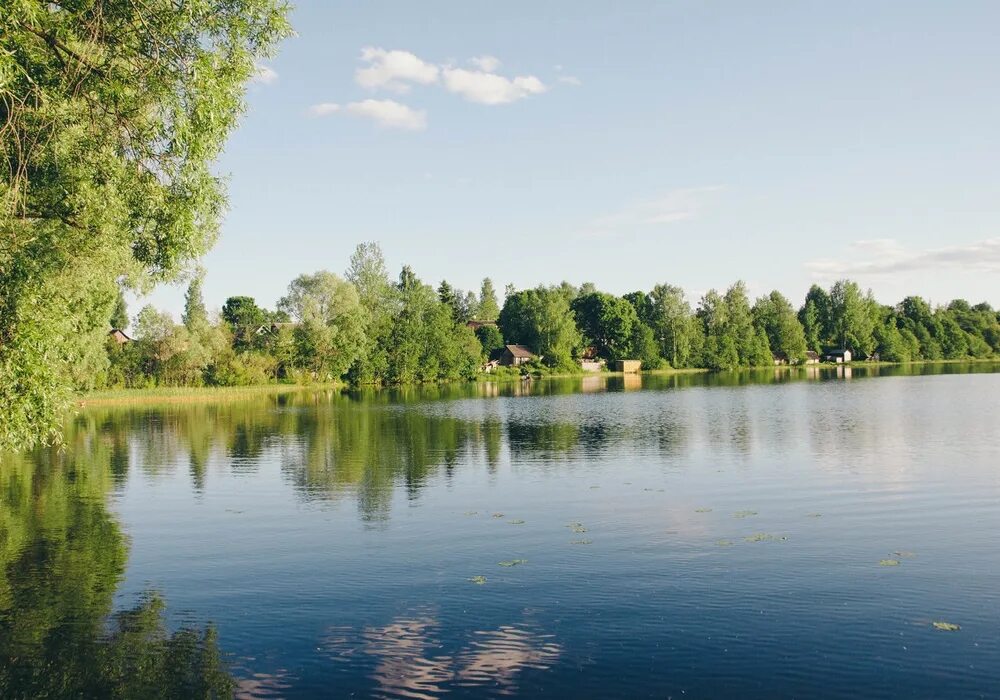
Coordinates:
x,y
542,320
775,316
489,308
111,116
489,338
119,315
608,323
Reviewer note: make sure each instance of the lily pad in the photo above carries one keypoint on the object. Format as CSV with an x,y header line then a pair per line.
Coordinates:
x,y
515,522
764,537
579,529
512,562
582,542
946,626
574,524
744,513
888,562
814,515
478,580
498,515
472,512
702,510
724,543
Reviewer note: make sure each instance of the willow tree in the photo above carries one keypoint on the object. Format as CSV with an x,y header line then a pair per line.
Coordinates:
x,y
111,115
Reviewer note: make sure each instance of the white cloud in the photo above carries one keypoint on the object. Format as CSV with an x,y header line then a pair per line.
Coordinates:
x,y
323,109
390,114
487,64
886,256
490,88
393,70
387,113
265,75
671,207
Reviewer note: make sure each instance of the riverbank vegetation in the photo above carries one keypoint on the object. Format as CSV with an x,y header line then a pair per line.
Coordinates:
x,y
367,329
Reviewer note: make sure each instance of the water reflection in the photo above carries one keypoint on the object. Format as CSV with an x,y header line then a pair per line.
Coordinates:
x,y
61,558
410,658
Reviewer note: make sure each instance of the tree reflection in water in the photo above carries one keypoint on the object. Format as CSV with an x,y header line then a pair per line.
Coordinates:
x,y
61,558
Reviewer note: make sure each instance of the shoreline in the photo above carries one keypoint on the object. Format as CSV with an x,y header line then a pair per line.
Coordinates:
x,y
202,394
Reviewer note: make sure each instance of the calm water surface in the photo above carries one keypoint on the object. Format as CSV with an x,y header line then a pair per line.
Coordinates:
x,y
768,535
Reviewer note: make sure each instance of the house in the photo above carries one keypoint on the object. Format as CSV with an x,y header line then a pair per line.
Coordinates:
x,y
779,358
514,355
590,362
839,355
628,366
491,365
118,336
476,325
812,357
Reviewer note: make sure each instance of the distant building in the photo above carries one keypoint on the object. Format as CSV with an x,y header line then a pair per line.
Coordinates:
x,y
839,355
628,366
812,357
595,365
514,355
779,358
119,336
475,325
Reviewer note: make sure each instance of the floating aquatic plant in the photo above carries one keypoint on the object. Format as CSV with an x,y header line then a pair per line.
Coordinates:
x,y
888,562
946,626
498,515
702,510
764,537
472,512
724,543
574,525
744,513
814,515
512,562
478,580
516,522
582,542
579,529
904,555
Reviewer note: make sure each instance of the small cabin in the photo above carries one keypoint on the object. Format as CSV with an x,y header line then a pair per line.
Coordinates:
x,y
514,355
779,358
839,355
812,357
592,365
628,366
118,336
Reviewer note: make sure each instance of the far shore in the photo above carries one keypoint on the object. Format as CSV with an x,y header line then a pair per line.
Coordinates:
x,y
205,394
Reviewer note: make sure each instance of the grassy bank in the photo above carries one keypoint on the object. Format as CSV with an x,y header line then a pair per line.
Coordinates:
x,y
187,394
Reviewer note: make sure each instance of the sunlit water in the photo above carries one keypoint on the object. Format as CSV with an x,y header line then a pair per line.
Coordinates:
x,y
770,535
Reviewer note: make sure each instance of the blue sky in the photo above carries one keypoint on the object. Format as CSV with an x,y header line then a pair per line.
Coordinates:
x,y
627,144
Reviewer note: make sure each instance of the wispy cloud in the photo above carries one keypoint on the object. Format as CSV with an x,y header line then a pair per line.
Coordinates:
x,y
386,113
488,64
886,256
264,75
323,109
393,70
671,207
490,88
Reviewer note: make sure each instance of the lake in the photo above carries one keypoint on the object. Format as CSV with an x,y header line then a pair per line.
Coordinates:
x,y
796,533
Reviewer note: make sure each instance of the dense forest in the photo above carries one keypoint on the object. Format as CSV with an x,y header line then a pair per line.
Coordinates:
x,y
366,328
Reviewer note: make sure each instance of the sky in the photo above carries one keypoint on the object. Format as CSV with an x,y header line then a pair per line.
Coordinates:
x,y
623,143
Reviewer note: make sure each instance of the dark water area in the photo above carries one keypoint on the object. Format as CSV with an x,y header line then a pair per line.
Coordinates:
x,y
794,533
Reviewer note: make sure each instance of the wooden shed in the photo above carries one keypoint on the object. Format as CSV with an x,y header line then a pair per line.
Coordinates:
x,y
628,366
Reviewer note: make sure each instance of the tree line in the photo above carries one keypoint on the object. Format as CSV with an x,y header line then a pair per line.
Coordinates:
x,y
365,328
